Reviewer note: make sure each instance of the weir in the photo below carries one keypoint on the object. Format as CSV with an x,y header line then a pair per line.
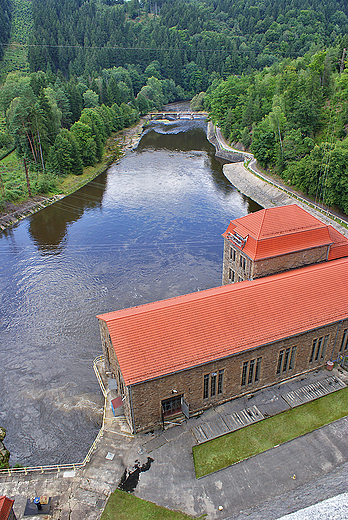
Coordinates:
x,y
172,116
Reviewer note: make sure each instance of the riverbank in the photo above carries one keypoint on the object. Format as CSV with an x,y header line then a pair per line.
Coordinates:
x,y
261,188
116,146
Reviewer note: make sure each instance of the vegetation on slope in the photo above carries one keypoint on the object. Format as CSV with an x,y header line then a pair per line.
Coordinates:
x,y
294,118
16,53
5,24
191,39
271,73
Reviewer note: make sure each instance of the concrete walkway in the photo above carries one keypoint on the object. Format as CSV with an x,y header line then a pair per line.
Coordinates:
x,y
276,478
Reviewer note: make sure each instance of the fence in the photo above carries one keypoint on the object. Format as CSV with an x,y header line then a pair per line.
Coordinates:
x,y
248,158
65,467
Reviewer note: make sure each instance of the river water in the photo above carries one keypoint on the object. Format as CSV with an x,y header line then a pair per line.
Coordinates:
x,y
150,228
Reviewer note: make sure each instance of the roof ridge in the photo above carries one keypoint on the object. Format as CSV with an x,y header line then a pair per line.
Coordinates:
x,y
213,291
261,223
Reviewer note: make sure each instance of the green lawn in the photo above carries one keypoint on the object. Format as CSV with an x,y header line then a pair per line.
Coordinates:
x,y
256,438
124,506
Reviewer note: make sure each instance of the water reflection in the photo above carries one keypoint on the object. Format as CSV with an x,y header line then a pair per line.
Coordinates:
x,y
149,229
183,136
48,228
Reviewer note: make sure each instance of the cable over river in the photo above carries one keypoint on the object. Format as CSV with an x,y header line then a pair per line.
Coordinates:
x,y
148,229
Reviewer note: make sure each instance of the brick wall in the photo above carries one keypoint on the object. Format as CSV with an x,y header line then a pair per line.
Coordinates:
x,y
147,397
112,365
245,269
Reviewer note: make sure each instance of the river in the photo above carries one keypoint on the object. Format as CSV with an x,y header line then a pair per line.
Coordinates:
x,y
148,229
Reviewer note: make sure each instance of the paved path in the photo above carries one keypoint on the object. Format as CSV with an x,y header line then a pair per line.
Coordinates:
x,y
279,477
261,488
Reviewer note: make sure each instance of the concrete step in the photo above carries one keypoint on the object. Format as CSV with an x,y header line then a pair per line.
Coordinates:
x,y
226,423
313,391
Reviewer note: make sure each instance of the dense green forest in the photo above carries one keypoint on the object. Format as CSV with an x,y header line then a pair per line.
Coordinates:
x,y
5,24
190,39
271,73
294,118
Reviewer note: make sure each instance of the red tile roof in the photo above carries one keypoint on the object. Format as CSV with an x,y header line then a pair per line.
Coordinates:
x,y
339,247
163,337
278,231
5,507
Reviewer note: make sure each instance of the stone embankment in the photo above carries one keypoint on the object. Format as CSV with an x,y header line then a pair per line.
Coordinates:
x,y
267,192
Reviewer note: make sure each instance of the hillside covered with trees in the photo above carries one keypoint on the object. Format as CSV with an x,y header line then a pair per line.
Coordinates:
x,y
5,24
294,118
271,73
190,39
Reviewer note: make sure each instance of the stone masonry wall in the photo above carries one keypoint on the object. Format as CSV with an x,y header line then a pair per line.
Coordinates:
x,y
282,263
241,272
112,365
147,397
250,270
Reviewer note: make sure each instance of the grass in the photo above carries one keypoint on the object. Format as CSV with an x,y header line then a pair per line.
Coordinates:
x,y
124,506
259,437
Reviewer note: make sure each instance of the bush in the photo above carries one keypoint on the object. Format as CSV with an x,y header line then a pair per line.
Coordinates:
x,y
46,183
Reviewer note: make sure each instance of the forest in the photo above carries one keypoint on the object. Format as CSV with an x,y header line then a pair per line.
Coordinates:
x,y
271,73
293,117
5,24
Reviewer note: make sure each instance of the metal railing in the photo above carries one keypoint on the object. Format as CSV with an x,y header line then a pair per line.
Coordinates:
x,y
248,157
57,468
97,373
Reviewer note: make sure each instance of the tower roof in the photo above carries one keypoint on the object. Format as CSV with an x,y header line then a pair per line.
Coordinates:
x,y
278,231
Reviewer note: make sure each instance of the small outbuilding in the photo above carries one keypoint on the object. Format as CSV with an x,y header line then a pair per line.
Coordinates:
x,y
6,508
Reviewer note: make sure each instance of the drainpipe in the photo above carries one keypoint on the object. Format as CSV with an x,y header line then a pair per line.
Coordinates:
x,y
131,406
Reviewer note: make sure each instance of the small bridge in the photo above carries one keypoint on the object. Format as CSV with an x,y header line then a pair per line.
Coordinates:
x,y
173,116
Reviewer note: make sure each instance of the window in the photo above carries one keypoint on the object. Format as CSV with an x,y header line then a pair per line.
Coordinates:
x,y
213,385
286,360
292,358
206,386
242,262
319,346
240,279
251,371
258,369
280,361
231,275
244,372
220,381
213,382
233,254
344,344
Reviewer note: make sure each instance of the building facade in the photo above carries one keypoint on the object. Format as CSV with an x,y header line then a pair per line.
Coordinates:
x,y
185,354
277,239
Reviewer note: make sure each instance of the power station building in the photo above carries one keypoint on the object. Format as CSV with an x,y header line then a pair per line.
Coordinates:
x,y
178,356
